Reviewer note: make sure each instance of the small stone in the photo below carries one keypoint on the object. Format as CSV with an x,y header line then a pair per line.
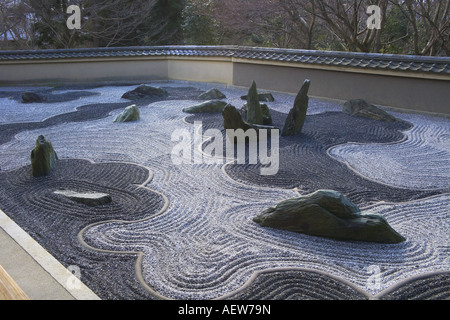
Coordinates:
x,y
30,97
263,97
297,115
213,94
327,213
91,199
43,157
131,113
212,106
145,92
360,108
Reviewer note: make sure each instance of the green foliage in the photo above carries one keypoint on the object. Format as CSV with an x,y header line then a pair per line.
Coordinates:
x,y
169,13
264,23
197,28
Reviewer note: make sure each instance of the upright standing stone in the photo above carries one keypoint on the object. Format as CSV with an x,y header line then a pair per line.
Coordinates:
x,y
43,157
297,115
254,112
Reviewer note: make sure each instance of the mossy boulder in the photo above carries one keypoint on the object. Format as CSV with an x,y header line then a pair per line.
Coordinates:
x,y
361,108
327,213
211,106
131,113
145,92
213,94
32,97
43,157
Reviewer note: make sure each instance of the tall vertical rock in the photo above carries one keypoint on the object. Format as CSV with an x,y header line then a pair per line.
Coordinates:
x,y
43,157
254,112
297,115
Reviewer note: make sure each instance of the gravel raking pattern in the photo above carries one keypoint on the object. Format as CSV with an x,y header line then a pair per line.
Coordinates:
x,y
186,231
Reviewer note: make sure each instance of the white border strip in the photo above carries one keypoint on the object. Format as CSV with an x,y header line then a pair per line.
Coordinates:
x,y
46,260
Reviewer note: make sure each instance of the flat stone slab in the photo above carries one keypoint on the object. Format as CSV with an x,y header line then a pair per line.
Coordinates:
x,y
91,199
212,106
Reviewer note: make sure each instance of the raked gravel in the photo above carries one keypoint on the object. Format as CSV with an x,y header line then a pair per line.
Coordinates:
x,y
205,245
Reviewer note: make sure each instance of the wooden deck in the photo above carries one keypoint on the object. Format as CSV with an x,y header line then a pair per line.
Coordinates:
x,y
9,290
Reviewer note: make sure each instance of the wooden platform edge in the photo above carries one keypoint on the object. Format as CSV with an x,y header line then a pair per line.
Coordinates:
x,y
9,290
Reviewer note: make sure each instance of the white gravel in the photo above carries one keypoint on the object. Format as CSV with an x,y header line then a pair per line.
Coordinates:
x,y
206,245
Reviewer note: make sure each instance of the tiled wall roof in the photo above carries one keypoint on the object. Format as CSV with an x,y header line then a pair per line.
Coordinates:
x,y
434,65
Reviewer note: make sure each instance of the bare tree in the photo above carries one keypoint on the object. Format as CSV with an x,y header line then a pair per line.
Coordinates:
x,y
15,29
104,23
347,20
430,21
116,22
300,20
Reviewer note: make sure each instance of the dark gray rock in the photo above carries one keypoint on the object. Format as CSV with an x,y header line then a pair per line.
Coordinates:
x,y
30,97
232,119
43,157
131,113
360,108
263,97
297,115
327,213
254,112
91,199
213,94
212,106
267,118
145,92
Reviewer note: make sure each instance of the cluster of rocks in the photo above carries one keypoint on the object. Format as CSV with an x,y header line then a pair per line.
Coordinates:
x,y
256,115
213,103
324,213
